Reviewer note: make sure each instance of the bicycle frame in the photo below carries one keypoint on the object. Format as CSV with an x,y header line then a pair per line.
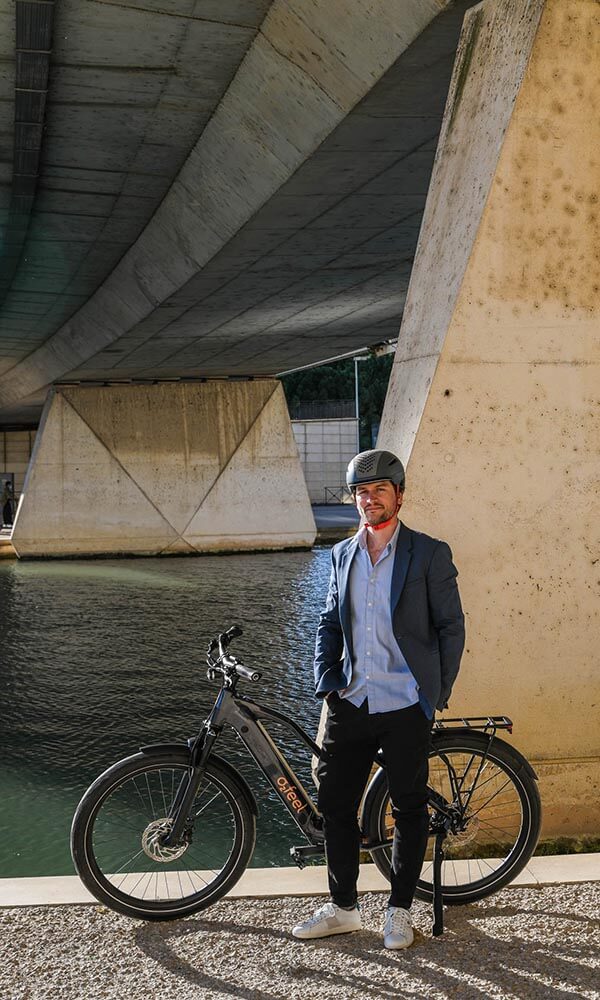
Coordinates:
x,y
244,716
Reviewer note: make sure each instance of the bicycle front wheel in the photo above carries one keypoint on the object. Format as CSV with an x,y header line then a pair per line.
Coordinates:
x,y
115,837
502,817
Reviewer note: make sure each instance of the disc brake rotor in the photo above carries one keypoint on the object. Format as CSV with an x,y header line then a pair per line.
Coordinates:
x,y
460,837
152,846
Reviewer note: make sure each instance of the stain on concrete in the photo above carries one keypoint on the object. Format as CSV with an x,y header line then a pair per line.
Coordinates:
x,y
465,54
542,215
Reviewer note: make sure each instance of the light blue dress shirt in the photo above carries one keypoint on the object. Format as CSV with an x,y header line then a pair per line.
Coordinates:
x,y
380,672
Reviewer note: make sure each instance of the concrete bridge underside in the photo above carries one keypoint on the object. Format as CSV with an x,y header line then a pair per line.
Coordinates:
x,y
220,188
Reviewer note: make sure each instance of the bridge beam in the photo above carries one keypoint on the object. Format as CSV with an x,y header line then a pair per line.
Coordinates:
x,y
164,469
491,396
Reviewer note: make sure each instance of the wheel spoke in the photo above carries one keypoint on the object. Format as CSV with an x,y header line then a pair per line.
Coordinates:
x,y
162,790
150,795
128,862
497,817
485,804
200,811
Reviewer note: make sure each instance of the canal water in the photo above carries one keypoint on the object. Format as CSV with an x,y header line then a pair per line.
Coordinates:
x,y
99,657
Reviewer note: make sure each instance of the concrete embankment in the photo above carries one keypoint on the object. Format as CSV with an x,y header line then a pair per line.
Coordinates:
x,y
6,549
335,522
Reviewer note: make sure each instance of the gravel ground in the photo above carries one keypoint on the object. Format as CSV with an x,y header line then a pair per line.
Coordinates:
x,y
521,943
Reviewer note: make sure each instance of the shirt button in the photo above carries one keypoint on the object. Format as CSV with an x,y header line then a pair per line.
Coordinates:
x,y
370,604
368,652
368,628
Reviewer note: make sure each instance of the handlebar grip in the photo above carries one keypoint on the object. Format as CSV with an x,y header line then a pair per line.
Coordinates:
x,y
233,632
247,673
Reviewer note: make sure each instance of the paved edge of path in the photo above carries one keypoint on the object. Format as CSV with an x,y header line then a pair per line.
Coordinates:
x,y
280,882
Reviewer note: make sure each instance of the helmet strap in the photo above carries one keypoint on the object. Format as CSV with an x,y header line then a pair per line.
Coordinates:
x,y
384,524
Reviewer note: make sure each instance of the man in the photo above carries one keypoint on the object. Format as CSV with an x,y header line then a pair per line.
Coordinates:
x,y
6,505
388,649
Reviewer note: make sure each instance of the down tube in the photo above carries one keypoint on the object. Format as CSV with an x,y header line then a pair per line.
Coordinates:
x,y
273,764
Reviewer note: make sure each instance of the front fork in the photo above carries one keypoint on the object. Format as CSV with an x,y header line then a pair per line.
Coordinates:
x,y
181,809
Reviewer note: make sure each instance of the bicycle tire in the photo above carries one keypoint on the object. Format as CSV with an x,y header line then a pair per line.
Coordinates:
x,y
504,819
116,817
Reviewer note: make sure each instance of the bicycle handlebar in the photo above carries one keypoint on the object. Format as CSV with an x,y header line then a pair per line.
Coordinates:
x,y
225,664
243,671
232,633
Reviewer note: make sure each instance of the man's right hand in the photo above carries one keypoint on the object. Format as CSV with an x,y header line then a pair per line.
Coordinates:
x,y
338,693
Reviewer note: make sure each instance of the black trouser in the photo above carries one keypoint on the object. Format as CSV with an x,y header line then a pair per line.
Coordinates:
x,y
352,738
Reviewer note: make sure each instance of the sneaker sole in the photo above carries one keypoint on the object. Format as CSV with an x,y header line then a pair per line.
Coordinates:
x,y
397,947
328,933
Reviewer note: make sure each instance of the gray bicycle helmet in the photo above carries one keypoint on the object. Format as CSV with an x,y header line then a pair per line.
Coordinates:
x,y
371,466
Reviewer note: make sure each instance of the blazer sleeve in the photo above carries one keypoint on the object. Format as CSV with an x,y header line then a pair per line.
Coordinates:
x,y
446,616
329,645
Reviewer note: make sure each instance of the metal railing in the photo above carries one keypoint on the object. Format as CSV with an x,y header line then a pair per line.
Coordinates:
x,y
337,494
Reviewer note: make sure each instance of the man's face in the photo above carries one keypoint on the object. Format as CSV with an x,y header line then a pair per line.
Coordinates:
x,y
377,502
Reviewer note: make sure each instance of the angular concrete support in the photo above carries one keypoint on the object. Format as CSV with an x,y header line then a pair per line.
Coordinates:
x,y
163,469
493,386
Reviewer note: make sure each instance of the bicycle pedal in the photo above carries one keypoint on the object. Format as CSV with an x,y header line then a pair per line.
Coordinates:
x,y
300,854
297,858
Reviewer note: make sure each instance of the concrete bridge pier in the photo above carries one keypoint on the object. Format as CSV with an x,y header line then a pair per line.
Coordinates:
x,y
164,469
492,396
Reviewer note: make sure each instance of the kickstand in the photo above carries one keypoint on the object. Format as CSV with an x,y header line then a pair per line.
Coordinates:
x,y
438,908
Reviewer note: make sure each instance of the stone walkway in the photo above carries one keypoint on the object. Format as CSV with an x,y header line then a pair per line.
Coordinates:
x,y
522,943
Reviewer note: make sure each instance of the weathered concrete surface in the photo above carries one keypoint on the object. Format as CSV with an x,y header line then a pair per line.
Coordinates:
x,y
152,470
325,448
493,388
130,90
15,452
321,265
6,549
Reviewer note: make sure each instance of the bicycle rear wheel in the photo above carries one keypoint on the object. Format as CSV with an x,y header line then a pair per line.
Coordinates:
x,y
115,837
502,818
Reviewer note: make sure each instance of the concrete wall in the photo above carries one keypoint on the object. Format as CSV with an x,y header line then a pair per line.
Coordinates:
x,y
15,452
325,448
493,389
152,470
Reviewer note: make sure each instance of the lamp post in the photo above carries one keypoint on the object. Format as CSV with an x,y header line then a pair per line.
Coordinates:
x,y
357,399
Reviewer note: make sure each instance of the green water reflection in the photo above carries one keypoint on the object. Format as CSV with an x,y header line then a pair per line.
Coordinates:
x,y
100,657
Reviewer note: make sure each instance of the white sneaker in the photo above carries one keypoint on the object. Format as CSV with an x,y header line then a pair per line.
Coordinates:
x,y
397,930
329,919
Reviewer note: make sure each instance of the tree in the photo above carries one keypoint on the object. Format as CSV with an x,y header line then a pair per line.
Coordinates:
x,y
336,382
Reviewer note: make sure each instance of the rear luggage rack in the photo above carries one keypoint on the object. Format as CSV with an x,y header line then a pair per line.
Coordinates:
x,y
484,722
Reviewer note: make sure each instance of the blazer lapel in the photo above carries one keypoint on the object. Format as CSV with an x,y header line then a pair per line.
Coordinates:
x,y
344,597
401,562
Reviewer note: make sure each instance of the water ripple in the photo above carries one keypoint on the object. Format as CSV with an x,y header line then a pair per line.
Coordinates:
x,y
99,657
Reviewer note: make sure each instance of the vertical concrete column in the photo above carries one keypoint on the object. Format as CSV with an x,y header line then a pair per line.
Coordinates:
x,y
162,469
493,395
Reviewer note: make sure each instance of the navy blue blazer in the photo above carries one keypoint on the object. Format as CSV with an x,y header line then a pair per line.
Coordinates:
x,y
427,616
